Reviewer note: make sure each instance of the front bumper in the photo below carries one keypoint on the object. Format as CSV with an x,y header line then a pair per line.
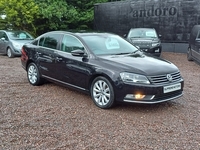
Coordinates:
x,y
16,52
155,100
153,93
156,51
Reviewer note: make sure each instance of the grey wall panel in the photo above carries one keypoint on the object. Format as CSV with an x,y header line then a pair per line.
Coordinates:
x,y
173,19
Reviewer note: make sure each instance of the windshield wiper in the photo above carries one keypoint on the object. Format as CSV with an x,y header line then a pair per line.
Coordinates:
x,y
128,52
136,37
135,51
122,53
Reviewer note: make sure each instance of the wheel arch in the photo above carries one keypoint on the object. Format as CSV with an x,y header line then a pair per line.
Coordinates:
x,y
8,48
106,74
28,62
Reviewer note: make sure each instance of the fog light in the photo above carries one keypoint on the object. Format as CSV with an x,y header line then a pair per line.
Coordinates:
x,y
157,50
139,96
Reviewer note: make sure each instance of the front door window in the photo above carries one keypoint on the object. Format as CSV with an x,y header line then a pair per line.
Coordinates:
x,y
71,43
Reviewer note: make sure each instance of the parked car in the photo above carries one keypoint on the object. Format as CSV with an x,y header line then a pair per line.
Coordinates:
x,y
146,39
105,65
193,52
11,42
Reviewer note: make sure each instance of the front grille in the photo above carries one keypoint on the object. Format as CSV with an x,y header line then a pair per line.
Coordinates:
x,y
142,44
160,79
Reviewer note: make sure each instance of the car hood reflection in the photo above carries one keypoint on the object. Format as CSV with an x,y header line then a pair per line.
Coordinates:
x,y
142,64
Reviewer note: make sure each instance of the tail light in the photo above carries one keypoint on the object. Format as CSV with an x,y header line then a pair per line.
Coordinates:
x,y
24,56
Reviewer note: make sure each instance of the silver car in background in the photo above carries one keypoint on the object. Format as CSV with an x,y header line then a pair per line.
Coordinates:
x,y
11,42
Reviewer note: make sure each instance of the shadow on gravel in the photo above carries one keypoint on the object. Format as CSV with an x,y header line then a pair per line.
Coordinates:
x,y
134,107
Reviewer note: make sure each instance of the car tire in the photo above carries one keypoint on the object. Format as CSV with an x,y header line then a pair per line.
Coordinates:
x,y
102,92
9,53
33,75
189,55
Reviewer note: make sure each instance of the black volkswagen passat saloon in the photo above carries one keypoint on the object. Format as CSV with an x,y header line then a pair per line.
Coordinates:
x,y
104,65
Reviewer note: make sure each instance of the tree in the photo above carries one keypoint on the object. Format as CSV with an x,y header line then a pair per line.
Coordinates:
x,y
20,14
39,16
65,15
53,15
85,13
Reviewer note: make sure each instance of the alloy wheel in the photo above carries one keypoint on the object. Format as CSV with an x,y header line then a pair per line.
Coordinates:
x,y
101,93
32,74
9,53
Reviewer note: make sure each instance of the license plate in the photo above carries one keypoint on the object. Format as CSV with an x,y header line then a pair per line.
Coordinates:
x,y
172,88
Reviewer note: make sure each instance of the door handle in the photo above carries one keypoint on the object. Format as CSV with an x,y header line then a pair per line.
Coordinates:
x,y
38,53
58,59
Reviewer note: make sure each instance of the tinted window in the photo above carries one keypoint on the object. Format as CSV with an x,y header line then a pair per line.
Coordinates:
x,y
41,41
35,42
71,43
50,41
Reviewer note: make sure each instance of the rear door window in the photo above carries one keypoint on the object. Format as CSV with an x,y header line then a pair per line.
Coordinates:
x,y
51,41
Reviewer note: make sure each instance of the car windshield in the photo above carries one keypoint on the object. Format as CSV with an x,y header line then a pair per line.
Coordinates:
x,y
19,35
108,44
142,33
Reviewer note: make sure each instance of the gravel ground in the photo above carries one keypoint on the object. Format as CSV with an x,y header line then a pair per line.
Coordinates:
x,y
54,117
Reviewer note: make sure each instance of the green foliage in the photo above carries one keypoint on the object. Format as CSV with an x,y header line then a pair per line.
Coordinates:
x,y
53,15
20,14
65,15
85,15
39,16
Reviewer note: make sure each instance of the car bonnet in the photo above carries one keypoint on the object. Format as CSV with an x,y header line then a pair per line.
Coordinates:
x,y
145,65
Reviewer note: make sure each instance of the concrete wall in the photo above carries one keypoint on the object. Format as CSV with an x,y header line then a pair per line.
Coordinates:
x,y
175,47
173,19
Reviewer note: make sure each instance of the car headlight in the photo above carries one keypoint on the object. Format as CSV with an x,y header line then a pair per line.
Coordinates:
x,y
134,78
155,44
17,45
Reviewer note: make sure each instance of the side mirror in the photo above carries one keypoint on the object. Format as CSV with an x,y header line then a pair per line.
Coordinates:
x,y
78,52
125,35
159,35
3,39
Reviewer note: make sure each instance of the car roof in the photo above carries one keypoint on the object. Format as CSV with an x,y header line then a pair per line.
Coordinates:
x,y
82,33
12,30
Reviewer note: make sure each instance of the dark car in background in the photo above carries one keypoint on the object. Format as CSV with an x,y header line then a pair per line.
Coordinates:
x,y
193,52
146,39
12,41
104,65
